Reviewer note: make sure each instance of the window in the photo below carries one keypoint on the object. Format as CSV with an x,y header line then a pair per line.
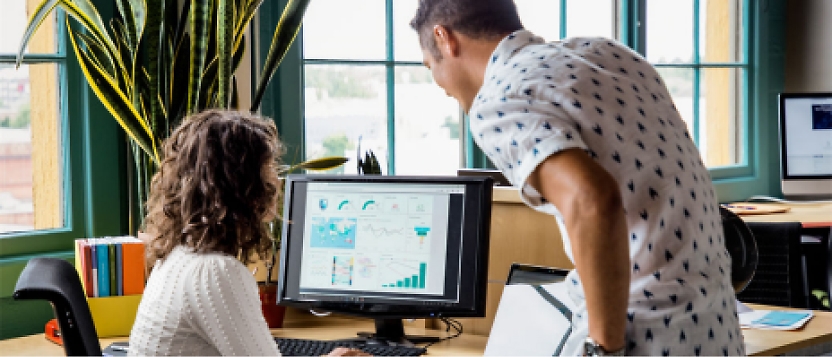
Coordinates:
x,y
371,94
361,81
61,154
30,125
699,48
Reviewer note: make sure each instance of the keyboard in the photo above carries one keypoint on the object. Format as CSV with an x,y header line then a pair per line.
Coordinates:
x,y
304,347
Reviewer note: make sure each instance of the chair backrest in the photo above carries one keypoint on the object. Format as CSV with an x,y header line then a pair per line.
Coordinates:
x,y
779,279
57,281
741,245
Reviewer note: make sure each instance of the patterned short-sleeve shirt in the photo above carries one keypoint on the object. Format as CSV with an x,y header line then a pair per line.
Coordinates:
x,y
595,94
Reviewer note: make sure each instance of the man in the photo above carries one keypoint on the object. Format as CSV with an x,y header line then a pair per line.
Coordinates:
x,y
588,131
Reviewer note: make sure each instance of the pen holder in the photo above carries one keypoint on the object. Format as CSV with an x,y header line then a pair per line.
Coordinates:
x,y
114,316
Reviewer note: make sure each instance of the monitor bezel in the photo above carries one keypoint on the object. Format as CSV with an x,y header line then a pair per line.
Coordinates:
x,y
480,187
783,141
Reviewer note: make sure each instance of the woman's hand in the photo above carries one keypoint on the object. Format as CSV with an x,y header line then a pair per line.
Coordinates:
x,y
343,351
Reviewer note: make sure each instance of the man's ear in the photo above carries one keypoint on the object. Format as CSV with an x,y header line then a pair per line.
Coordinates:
x,y
446,41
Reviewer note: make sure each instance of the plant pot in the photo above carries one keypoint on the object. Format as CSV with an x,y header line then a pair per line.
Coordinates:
x,y
272,312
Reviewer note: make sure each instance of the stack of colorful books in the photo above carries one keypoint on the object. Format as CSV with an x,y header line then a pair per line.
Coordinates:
x,y
111,266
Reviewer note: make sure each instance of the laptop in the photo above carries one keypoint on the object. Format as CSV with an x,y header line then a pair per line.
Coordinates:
x,y
534,317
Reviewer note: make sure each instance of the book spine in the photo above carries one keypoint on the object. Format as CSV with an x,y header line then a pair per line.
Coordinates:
x,y
133,255
94,268
103,270
111,247
88,268
119,270
80,267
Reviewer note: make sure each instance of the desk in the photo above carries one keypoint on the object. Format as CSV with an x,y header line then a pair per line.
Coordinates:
x,y
809,215
817,332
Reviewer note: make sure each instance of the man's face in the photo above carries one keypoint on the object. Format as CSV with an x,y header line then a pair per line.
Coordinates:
x,y
443,74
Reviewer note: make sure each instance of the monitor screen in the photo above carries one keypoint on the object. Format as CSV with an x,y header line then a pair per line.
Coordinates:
x,y
806,144
386,247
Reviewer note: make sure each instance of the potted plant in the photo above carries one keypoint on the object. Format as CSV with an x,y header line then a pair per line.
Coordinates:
x,y
158,61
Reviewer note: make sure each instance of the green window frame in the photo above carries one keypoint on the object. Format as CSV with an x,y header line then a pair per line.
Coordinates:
x,y
93,183
762,65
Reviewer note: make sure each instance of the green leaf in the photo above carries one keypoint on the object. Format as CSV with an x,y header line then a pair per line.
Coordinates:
x,y
246,15
322,164
125,9
99,54
179,81
38,16
114,100
85,13
225,38
284,34
200,19
154,40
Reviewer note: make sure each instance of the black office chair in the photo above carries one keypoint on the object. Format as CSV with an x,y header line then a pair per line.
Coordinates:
x,y
57,281
741,245
779,276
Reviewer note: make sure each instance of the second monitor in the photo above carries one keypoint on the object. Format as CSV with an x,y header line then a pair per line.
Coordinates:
x,y
386,247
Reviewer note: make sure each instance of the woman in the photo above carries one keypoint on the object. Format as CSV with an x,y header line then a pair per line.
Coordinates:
x,y
216,187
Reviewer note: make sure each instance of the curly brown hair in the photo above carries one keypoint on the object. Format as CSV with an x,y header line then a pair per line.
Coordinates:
x,y
216,187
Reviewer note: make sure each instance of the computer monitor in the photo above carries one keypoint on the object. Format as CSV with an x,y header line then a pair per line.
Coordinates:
x,y
806,144
386,247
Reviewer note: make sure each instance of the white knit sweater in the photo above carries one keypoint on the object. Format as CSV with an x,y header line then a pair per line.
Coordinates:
x,y
200,304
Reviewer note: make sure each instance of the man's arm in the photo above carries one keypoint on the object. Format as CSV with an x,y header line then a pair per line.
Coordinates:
x,y
589,200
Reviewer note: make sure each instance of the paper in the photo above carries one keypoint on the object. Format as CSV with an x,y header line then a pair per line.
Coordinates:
x,y
775,319
527,324
741,308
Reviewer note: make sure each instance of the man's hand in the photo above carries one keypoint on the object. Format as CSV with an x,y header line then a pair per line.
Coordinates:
x,y
343,351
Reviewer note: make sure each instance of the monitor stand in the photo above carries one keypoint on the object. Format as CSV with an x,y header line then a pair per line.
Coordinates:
x,y
392,331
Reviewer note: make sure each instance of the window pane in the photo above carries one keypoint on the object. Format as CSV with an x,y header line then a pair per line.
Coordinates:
x,y
338,29
590,18
342,105
427,136
13,21
669,31
721,116
540,17
31,194
721,37
679,82
406,40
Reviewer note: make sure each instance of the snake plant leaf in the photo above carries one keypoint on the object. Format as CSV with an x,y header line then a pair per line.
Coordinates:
x,y
209,81
114,100
154,38
225,44
149,79
284,34
246,15
99,54
200,21
179,80
124,77
38,16
134,13
85,13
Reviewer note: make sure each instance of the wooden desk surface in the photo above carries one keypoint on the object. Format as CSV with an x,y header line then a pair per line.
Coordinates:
x,y
758,342
811,215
